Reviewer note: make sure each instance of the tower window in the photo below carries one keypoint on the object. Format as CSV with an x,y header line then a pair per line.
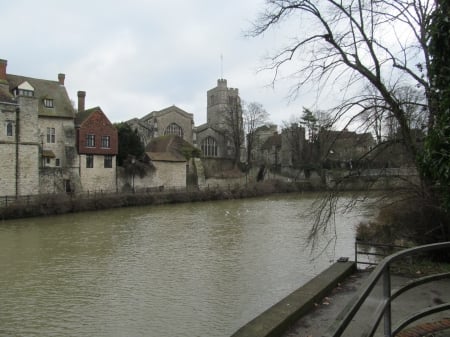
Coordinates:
x,y
209,147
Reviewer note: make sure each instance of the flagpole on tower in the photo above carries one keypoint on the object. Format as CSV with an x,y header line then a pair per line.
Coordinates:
x,y
221,65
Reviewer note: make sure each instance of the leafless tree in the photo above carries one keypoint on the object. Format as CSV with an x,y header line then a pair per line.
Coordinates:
x,y
381,43
255,116
233,128
353,44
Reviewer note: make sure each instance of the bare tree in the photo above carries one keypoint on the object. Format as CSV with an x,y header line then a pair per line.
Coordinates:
x,y
233,128
381,44
349,41
255,116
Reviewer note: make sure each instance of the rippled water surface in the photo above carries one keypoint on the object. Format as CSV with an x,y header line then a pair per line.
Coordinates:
x,y
201,269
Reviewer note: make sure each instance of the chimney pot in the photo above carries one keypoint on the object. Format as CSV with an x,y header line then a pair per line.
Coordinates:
x,y
61,78
81,100
3,64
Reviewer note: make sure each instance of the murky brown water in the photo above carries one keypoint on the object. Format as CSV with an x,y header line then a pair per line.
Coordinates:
x,y
201,269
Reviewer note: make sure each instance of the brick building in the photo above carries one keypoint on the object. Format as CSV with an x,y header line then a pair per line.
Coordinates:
x,y
97,145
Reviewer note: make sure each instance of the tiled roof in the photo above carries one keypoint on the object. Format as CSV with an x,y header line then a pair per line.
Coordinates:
x,y
6,96
46,89
166,156
83,115
167,148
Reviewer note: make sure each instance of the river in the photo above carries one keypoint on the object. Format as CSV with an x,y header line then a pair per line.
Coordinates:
x,y
195,269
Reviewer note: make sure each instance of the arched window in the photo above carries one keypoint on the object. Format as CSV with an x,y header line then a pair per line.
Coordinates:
x,y
174,129
209,147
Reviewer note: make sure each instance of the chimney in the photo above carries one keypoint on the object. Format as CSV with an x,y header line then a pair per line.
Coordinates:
x,y
61,78
3,64
81,100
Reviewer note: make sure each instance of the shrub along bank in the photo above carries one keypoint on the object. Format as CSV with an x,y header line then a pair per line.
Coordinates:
x,y
66,203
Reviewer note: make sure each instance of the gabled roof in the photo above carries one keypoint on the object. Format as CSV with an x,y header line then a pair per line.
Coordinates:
x,y
164,111
45,89
82,116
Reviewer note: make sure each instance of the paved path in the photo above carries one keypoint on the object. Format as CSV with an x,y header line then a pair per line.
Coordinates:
x,y
317,322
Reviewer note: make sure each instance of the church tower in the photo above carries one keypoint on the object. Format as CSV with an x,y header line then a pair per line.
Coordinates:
x,y
222,100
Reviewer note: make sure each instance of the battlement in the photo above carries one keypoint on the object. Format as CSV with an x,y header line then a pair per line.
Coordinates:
x,y
222,83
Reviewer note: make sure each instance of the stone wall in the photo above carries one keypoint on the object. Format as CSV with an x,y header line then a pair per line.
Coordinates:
x,y
7,169
97,178
28,149
63,139
167,174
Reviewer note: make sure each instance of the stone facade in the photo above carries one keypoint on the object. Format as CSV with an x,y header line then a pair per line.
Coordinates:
x,y
38,145
168,121
96,177
224,121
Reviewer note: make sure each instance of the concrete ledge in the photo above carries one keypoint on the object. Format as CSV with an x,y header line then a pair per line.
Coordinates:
x,y
277,319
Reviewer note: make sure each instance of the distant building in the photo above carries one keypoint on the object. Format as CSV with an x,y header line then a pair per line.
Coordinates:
x,y
168,121
224,122
271,151
344,147
293,146
260,150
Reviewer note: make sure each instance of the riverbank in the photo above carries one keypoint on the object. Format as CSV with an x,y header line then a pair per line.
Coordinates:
x,y
282,315
312,309
52,204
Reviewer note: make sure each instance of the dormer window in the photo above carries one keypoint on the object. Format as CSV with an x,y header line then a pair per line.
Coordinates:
x,y
48,103
24,89
24,92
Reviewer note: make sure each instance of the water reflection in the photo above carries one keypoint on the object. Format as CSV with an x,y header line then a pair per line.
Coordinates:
x,y
201,269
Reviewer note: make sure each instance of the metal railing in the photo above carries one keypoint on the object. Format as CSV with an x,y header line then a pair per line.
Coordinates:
x,y
383,311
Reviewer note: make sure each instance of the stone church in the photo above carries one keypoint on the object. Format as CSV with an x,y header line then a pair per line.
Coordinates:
x,y
224,123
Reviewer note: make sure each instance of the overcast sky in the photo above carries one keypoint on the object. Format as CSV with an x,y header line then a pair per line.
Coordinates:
x,y
136,56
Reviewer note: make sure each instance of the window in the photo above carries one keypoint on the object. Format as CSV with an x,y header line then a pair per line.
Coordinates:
x,y
209,147
108,161
89,161
106,142
57,162
48,103
174,129
90,140
9,128
51,135
24,92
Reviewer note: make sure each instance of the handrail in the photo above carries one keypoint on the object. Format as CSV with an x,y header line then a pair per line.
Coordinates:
x,y
382,271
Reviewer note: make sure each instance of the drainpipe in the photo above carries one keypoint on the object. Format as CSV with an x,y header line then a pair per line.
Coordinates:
x,y
17,150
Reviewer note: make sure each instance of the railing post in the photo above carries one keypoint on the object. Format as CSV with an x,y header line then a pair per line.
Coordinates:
x,y
387,297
